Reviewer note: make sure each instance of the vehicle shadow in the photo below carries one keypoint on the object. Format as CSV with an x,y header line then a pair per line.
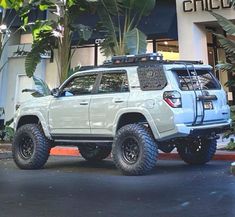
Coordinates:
x,y
77,164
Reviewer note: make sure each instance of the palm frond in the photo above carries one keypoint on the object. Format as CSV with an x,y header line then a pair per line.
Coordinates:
x,y
31,61
227,25
107,47
109,27
227,44
232,2
230,83
225,66
46,43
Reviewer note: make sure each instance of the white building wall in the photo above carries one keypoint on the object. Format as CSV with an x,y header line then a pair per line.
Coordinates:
x,y
191,28
14,72
14,39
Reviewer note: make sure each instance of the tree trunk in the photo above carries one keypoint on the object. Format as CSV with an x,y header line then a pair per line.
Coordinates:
x,y
64,50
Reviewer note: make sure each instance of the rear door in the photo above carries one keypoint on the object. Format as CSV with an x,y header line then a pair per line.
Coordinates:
x,y
202,96
111,96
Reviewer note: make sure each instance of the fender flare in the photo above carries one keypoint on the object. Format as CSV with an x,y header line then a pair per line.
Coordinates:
x,y
141,111
41,119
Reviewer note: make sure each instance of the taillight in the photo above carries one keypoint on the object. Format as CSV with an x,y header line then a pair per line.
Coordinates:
x,y
173,99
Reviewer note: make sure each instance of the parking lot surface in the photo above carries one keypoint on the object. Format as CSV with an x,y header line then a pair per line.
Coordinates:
x,y
72,187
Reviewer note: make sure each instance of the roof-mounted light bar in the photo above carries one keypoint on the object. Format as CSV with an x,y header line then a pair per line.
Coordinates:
x,y
135,58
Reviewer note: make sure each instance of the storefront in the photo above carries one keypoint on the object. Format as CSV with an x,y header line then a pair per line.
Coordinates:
x,y
195,31
179,29
160,27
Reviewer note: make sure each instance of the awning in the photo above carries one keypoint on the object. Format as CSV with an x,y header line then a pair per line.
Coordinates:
x,y
160,24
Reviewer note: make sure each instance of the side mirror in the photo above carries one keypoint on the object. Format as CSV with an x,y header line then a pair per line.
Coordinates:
x,y
55,92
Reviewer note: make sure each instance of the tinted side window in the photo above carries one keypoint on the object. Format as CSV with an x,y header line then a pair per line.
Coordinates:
x,y
152,77
113,83
80,85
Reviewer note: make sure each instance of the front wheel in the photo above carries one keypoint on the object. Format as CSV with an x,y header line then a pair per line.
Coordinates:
x,y
30,147
197,151
134,150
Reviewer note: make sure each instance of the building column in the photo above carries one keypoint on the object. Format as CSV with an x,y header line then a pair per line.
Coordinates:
x,y
193,43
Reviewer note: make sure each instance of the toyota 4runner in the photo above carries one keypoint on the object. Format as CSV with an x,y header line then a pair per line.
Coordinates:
x,y
130,107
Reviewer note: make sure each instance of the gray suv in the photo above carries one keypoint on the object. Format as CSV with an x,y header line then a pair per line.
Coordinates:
x,y
130,107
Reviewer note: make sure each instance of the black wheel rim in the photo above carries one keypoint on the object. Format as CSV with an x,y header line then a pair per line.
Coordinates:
x,y
130,150
26,147
193,148
90,149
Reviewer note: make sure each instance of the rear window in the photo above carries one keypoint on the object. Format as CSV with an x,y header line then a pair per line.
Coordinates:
x,y
202,78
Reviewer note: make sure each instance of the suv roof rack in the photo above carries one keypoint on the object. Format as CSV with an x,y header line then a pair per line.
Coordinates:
x,y
144,58
140,58
200,62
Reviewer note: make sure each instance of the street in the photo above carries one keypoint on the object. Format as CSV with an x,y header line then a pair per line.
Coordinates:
x,y
72,187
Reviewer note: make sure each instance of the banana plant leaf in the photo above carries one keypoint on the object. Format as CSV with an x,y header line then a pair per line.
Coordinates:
x,y
135,42
14,4
41,86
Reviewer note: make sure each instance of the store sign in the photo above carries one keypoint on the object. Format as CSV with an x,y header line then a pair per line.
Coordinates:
x,y
205,5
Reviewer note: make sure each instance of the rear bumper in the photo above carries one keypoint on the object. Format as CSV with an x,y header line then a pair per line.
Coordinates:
x,y
182,130
208,131
204,129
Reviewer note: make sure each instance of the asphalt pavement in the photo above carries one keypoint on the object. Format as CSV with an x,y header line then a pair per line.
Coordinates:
x,y
72,187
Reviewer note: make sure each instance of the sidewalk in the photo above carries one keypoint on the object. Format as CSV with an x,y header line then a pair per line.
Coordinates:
x,y
5,152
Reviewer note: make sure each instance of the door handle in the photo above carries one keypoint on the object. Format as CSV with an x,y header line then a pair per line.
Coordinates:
x,y
118,101
83,103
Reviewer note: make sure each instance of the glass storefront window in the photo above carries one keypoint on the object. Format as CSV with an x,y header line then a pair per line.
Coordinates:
x,y
169,49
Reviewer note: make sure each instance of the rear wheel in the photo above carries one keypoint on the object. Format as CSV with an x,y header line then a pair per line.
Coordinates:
x,y
30,147
92,152
134,150
198,151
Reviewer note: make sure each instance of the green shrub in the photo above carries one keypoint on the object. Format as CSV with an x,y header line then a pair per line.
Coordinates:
x,y
7,132
231,145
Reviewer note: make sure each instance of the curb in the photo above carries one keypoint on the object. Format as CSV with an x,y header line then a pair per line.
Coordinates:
x,y
5,155
5,152
73,151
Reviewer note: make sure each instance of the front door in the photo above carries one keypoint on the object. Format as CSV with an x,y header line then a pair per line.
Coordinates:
x,y
68,113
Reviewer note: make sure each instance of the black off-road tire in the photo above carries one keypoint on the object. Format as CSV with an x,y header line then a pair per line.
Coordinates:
x,y
93,153
134,150
197,152
30,147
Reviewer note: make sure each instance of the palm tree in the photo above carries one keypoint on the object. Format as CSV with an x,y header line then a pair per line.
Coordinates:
x,y
228,43
53,33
